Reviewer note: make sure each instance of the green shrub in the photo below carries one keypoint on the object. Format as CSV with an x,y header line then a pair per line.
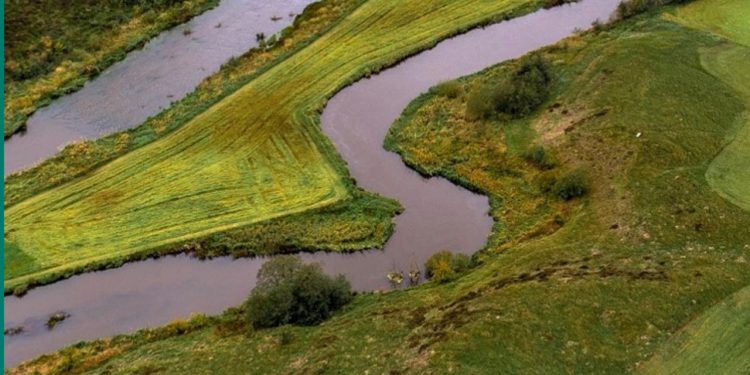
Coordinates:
x,y
290,292
572,185
526,90
478,103
449,89
540,157
445,266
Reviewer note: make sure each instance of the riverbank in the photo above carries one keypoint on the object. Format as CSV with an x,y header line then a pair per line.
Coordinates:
x,y
363,230
650,247
53,50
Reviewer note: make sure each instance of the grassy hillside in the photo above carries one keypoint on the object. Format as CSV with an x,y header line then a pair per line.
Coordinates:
x,y
254,156
52,49
592,285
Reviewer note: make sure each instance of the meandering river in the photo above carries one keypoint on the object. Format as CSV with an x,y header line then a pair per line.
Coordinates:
x,y
438,215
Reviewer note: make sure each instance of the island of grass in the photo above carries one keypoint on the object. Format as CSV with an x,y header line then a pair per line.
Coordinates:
x,y
648,271
52,49
255,156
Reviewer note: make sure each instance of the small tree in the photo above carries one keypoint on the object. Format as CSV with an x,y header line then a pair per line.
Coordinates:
x,y
526,90
291,292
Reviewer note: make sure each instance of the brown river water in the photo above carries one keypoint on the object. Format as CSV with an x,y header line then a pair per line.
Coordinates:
x,y
438,214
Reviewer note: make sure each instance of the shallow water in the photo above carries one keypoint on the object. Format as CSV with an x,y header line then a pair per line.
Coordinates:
x,y
438,215
169,67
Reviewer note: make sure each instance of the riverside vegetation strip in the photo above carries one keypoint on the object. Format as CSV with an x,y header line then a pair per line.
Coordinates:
x,y
255,155
595,285
52,50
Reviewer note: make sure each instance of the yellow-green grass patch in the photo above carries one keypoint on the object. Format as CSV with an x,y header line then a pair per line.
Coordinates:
x,y
728,18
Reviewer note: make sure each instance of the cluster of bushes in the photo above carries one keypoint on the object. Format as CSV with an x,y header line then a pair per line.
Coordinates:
x,y
526,89
569,185
445,266
291,292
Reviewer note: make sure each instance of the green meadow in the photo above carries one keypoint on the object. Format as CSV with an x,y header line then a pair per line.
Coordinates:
x,y
646,272
254,156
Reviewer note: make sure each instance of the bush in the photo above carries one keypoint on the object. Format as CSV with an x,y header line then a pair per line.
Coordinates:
x,y
526,90
538,156
449,89
445,266
290,292
574,184
478,103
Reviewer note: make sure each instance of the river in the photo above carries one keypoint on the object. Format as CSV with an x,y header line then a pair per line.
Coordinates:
x,y
438,215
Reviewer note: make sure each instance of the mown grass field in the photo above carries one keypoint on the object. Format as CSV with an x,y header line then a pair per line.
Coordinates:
x,y
255,155
715,343
593,285
51,50
728,173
